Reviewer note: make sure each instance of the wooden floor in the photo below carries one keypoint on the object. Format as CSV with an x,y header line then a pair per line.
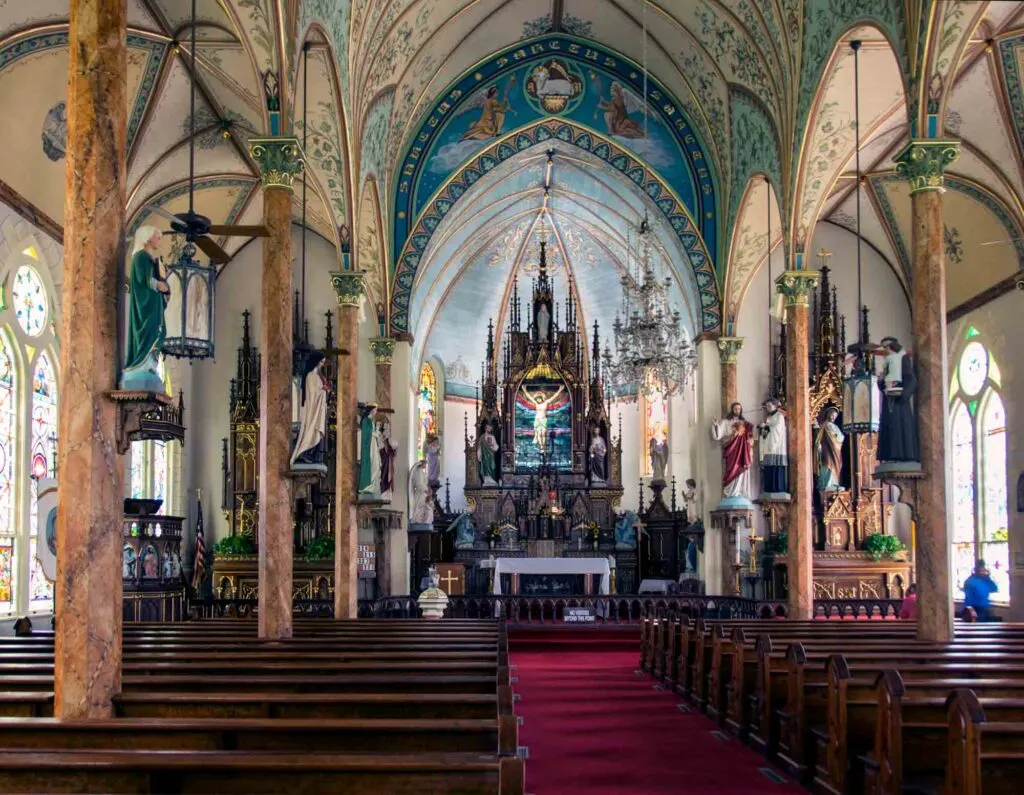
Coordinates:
x,y
357,707
857,706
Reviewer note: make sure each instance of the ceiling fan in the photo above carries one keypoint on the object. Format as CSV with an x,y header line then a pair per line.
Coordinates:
x,y
195,227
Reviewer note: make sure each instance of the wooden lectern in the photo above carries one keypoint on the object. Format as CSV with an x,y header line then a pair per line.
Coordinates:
x,y
453,578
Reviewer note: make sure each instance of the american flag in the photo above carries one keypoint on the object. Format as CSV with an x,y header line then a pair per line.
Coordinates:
x,y
199,558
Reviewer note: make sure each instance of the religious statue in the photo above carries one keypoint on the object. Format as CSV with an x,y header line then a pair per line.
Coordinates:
x,y
128,563
897,433
772,449
432,455
540,418
625,531
147,299
369,453
658,450
388,454
487,455
598,457
421,508
465,537
828,447
690,501
312,416
543,323
736,437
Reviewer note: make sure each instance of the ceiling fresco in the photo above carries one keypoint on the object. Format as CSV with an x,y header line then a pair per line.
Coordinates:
x,y
426,100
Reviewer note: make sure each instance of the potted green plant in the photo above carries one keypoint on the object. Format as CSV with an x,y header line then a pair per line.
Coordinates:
x,y
880,545
320,548
235,545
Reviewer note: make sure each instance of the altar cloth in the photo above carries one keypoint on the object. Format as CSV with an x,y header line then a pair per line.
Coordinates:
x,y
553,566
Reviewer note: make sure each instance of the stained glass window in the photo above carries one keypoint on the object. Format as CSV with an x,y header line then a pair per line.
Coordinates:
x,y
427,405
149,474
43,452
8,441
978,434
655,425
29,300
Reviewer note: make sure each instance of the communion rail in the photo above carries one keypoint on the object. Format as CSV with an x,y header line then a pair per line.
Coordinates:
x,y
618,609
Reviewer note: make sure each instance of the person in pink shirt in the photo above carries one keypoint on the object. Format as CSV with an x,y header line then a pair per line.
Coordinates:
x,y
909,608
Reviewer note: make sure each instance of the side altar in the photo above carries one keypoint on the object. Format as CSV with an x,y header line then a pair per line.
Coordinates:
x,y
543,472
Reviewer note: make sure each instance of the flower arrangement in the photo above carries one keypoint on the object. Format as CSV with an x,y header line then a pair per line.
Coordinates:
x,y
493,532
235,545
593,530
320,548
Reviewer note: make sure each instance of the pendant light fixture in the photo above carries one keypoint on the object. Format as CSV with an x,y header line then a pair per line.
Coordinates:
x,y
861,401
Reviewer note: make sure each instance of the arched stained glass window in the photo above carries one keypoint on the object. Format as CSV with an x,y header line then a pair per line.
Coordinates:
x,y
427,405
8,455
29,300
655,425
978,434
43,454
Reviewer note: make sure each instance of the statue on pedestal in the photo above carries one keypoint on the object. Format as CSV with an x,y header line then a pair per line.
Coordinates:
x,y
773,449
690,501
598,455
369,453
147,299
828,449
388,453
432,455
487,455
736,436
312,414
421,508
658,450
897,433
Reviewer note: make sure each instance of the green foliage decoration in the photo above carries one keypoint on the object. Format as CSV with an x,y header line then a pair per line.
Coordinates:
x,y
235,545
880,545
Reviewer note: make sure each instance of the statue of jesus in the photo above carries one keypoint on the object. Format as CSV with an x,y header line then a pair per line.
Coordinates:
x,y
540,419
736,437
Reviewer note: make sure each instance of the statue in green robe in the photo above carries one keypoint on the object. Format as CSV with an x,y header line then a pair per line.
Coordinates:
x,y
487,456
148,292
369,453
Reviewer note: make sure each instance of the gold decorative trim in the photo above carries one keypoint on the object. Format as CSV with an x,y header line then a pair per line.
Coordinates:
x,y
280,161
923,162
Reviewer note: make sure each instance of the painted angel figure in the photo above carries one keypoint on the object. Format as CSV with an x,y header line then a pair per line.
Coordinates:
x,y
618,108
492,112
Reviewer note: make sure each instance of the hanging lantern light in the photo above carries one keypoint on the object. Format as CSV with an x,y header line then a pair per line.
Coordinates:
x,y
862,404
190,308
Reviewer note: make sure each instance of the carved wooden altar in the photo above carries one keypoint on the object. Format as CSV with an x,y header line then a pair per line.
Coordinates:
x,y
862,506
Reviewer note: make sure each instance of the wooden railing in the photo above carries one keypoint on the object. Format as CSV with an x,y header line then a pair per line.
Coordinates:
x,y
619,609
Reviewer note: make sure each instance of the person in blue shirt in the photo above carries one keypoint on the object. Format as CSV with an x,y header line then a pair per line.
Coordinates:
x,y
978,590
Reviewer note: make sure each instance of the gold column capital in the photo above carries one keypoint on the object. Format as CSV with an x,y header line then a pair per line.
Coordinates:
x,y
924,160
280,160
348,285
796,286
728,348
382,349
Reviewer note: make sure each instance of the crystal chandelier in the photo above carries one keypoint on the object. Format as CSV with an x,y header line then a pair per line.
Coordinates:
x,y
652,352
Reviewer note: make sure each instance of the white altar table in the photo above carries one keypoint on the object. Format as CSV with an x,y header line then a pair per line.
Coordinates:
x,y
517,566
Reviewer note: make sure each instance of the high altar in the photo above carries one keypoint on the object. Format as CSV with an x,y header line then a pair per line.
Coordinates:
x,y
543,473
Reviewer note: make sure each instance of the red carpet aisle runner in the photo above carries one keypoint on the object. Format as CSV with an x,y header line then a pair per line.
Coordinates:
x,y
594,727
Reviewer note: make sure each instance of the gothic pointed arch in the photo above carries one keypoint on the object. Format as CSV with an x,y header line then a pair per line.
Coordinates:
x,y
371,252
749,242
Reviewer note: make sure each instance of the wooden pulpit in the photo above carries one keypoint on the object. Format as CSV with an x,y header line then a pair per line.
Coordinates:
x,y
453,578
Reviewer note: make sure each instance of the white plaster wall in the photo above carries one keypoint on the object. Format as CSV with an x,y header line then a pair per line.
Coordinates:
x,y
883,295
206,407
999,323
453,461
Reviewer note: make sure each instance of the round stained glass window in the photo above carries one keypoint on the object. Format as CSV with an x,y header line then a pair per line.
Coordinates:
x,y
973,368
29,301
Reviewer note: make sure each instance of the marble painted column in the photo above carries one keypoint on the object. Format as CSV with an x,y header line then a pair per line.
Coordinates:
x,y
382,349
796,286
280,161
348,285
728,350
708,458
87,643
923,163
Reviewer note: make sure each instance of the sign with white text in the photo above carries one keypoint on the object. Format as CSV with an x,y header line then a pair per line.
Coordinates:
x,y
579,615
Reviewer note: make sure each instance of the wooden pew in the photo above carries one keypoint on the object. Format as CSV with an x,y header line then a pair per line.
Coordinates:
x,y
984,758
125,771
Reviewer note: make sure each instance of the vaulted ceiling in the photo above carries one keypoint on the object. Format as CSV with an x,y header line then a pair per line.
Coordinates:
x,y
767,87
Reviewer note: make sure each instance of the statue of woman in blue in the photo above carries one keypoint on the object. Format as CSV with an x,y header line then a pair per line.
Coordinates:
x,y
147,298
